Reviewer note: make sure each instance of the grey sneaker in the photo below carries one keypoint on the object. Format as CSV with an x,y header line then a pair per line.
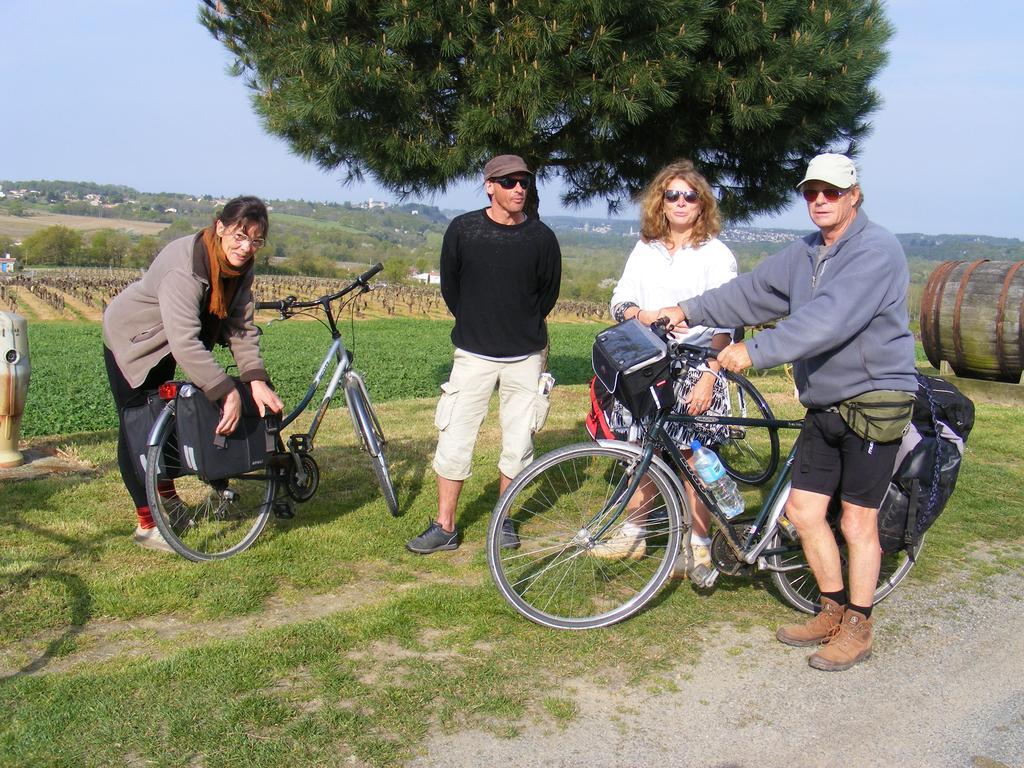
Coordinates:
x,y
434,539
509,537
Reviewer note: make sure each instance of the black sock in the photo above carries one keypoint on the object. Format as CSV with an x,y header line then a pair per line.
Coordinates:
x,y
839,597
860,609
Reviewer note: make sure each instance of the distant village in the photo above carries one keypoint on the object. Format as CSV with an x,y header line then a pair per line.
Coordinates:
x,y
97,201
729,234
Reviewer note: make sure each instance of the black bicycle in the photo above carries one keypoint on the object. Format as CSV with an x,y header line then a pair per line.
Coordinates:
x,y
570,503
213,520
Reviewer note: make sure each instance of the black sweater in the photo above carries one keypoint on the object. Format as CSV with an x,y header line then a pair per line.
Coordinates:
x,y
500,282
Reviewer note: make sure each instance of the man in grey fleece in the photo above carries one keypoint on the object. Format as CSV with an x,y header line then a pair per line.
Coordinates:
x,y
842,294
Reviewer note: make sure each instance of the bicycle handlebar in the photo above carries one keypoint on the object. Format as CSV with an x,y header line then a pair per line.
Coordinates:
x,y
693,353
289,303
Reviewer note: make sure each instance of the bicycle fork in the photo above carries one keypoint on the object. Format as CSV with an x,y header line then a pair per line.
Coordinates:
x,y
620,497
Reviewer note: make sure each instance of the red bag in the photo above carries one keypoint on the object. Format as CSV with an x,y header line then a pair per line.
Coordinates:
x,y
601,402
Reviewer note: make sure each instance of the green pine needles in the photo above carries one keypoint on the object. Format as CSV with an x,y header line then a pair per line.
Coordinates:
x,y
419,93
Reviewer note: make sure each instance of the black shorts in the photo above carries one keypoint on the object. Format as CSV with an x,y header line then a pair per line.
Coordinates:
x,y
830,457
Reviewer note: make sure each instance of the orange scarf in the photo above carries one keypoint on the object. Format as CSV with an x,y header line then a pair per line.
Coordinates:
x,y
223,277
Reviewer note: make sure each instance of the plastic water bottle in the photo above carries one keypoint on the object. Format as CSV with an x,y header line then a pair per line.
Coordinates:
x,y
712,474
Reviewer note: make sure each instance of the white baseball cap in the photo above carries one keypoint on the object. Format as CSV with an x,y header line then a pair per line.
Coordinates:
x,y
837,170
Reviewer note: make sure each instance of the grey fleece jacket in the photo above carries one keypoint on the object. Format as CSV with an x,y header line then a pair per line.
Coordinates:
x,y
847,325
162,314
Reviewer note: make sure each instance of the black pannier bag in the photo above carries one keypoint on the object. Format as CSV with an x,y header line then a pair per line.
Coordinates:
x,y
927,465
213,456
631,361
138,422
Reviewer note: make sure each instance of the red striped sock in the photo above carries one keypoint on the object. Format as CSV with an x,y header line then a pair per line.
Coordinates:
x,y
145,518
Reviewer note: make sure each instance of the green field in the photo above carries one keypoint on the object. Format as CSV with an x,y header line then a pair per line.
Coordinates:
x,y
400,358
327,643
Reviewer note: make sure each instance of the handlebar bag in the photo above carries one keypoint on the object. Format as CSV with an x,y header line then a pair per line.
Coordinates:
x,y
632,362
213,456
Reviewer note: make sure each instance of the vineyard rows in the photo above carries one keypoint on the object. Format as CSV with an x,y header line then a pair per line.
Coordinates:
x,y
84,294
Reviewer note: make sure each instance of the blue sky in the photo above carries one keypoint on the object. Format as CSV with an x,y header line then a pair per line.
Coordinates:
x,y
136,92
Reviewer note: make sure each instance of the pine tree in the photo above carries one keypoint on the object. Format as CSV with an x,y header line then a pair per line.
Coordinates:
x,y
420,93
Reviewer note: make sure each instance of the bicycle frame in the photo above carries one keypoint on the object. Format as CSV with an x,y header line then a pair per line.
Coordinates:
x,y
747,548
336,352
343,364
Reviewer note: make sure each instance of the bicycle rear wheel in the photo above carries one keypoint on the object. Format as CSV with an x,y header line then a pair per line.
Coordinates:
x,y
566,573
369,430
203,521
798,586
750,453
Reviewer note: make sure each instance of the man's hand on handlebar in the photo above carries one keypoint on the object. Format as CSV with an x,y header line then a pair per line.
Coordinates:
x,y
735,357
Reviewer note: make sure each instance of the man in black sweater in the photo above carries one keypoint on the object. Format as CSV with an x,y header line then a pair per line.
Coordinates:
x,y
500,274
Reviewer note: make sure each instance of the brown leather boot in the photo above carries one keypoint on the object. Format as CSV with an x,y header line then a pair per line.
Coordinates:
x,y
851,644
817,629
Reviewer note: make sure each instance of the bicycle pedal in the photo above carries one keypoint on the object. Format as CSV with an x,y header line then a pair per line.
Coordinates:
x,y
298,443
283,510
708,581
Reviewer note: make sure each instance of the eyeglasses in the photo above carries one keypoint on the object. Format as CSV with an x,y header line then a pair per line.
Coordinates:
x,y
509,182
671,195
810,195
255,243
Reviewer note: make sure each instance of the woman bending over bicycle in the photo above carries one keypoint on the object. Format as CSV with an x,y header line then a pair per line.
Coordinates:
x,y
197,292
677,257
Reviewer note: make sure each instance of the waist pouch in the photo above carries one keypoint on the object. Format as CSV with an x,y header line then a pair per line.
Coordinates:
x,y
880,416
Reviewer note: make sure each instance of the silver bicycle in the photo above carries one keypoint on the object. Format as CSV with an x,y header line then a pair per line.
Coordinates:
x,y
217,519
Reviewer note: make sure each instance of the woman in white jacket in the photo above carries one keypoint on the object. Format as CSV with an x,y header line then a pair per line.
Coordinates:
x,y
677,257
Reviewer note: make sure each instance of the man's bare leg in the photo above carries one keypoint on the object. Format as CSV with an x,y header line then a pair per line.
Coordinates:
x,y
807,511
860,529
503,482
448,492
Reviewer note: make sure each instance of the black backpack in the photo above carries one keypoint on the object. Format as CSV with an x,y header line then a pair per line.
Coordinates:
x,y
927,465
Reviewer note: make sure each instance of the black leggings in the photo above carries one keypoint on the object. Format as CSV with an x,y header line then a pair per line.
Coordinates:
x,y
127,396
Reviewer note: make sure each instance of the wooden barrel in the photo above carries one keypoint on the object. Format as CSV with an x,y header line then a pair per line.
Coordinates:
x,y
972,315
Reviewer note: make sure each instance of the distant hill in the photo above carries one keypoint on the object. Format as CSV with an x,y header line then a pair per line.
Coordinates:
x,y
318,238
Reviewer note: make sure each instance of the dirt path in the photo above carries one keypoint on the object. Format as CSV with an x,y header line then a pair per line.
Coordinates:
x,y
944,688
158,636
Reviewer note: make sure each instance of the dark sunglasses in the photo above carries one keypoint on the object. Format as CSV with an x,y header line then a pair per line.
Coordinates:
x,y
509,182
810,195
671,195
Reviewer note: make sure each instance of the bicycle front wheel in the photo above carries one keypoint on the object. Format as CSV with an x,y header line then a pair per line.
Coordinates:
x,y
369,430
750,453
203,521
578,565
798,586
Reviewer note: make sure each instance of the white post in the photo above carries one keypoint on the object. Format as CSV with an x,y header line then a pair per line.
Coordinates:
x,y
14,376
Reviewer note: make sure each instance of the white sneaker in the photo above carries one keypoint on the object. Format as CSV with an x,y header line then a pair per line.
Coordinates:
x,y
701,555
627,543
151,538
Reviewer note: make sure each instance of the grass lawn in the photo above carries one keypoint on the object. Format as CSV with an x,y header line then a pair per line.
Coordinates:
x,y
327,643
